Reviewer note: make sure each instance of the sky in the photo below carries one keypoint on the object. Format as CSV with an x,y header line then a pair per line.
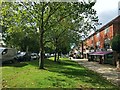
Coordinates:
x,y
107,10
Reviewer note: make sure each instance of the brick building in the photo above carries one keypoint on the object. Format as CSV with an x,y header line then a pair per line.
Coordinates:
x,y
101,39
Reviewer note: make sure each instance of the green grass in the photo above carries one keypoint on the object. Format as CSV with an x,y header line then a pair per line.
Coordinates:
x,y
66,74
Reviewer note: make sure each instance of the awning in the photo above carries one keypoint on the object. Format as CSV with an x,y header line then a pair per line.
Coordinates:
x,y
100,53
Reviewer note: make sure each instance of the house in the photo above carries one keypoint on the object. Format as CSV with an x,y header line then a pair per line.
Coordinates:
x,y
101,39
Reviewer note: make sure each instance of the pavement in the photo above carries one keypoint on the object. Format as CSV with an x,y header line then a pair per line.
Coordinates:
x,y
107,71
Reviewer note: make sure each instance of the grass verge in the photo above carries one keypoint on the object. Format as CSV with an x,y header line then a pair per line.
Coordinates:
x,y
66,74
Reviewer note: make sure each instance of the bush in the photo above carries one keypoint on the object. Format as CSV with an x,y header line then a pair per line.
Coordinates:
x,y
116,43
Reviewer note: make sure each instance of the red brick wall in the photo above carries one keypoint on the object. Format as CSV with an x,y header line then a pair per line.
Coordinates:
x,y
102,36
113,29
110,34
96,39
88,42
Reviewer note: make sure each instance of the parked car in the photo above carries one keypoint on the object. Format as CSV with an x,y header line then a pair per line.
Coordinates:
x,y
34,56
23,56
8,54
20,56
52,55
47,55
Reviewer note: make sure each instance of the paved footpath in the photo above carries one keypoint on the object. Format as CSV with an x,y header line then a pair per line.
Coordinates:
x,y
107,71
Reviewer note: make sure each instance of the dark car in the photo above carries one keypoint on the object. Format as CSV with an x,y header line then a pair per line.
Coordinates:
x,y
23,56
34,56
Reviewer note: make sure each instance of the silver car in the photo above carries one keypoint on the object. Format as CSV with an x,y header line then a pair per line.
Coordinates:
x,y
7,54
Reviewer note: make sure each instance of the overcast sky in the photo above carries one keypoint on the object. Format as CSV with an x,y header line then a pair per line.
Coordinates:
x,y
107,10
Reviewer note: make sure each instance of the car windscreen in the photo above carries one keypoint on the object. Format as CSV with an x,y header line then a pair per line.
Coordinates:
x,y
1,50
4,51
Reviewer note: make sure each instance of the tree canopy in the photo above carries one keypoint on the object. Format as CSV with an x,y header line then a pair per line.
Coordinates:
x,y
27,25
116,43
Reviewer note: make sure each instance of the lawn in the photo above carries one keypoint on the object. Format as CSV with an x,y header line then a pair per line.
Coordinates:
x,y
66,74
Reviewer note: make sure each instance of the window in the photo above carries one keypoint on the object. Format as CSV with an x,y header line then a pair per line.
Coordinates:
x,y
92,45
4,51
98,34
98,43
106,30
92,38
97,47
107,43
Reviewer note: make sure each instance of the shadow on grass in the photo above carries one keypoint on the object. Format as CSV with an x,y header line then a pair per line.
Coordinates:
x,y
69,69
18,64
58,82
72,70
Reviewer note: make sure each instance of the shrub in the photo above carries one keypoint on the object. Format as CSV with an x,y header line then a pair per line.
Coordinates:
x,y
116,43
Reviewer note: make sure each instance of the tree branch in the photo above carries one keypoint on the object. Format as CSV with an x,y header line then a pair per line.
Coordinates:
x,y
29,22
58,21
46,21
37,19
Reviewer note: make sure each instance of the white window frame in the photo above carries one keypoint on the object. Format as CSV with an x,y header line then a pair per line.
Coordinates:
x,y
98,34
92,38
98,43
106,30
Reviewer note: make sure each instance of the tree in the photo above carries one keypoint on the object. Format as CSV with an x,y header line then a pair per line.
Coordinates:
x,y
17,31
116,47
116,43
41,17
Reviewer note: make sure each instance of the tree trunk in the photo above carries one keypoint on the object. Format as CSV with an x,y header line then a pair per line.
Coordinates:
x,y
58,60
118,62
55,58
27,57
41,60
82,50
118,54
27,49
58,56
114,58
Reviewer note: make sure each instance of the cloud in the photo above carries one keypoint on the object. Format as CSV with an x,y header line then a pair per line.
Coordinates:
x,y
107,16
107,10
